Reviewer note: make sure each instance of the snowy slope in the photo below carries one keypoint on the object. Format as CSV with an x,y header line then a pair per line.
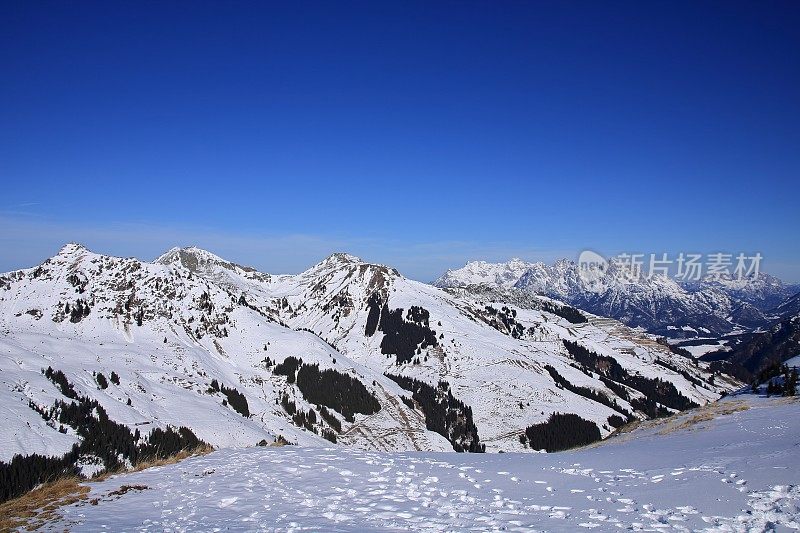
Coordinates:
x,y
169,328
706,308
735,471
488,369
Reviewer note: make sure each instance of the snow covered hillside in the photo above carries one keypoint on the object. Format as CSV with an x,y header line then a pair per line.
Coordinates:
x,y
346,351
661,305
728,467
493,357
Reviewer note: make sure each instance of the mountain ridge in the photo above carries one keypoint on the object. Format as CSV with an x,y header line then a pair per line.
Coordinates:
x,y
662,305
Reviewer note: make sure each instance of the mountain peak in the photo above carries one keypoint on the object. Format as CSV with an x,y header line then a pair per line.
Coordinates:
x,y
342,257
342,261
194,259
485,273
72,248
177,251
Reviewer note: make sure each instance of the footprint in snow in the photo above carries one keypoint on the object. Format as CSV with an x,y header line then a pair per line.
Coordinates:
x,y
226,502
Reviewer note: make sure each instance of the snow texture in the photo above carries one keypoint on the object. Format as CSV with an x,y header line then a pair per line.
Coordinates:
x,y
735,472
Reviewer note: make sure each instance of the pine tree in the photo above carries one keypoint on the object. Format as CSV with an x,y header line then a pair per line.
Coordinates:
x,y
789,382
561,432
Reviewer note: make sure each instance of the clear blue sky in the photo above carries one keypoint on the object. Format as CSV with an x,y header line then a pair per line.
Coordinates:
x,y
413,134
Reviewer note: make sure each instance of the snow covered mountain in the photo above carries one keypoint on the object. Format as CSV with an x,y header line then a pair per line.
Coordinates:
x,y
660,305
347,350
764,292
165,333
504,275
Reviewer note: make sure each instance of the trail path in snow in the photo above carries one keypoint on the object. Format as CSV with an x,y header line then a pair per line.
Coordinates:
x,y
734,473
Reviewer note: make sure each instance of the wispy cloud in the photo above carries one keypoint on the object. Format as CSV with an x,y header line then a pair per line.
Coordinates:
x,y
23,209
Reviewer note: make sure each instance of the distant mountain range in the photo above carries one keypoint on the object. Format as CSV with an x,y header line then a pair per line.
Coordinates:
x,y
660,305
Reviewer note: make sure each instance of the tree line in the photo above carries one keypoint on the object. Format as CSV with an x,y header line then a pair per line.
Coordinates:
x,y
565,311
444,414
586,392
330,388
654,389
402,338
781,380
235,399
561,432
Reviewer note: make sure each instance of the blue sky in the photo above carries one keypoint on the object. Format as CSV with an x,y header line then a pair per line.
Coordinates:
x,y
413,134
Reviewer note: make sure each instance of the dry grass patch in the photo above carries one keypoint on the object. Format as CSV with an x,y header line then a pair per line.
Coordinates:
x,y
630,426
677,421
786,399
203,449
705,414
32,510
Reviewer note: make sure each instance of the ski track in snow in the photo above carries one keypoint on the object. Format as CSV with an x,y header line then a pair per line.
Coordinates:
x,y
736,473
